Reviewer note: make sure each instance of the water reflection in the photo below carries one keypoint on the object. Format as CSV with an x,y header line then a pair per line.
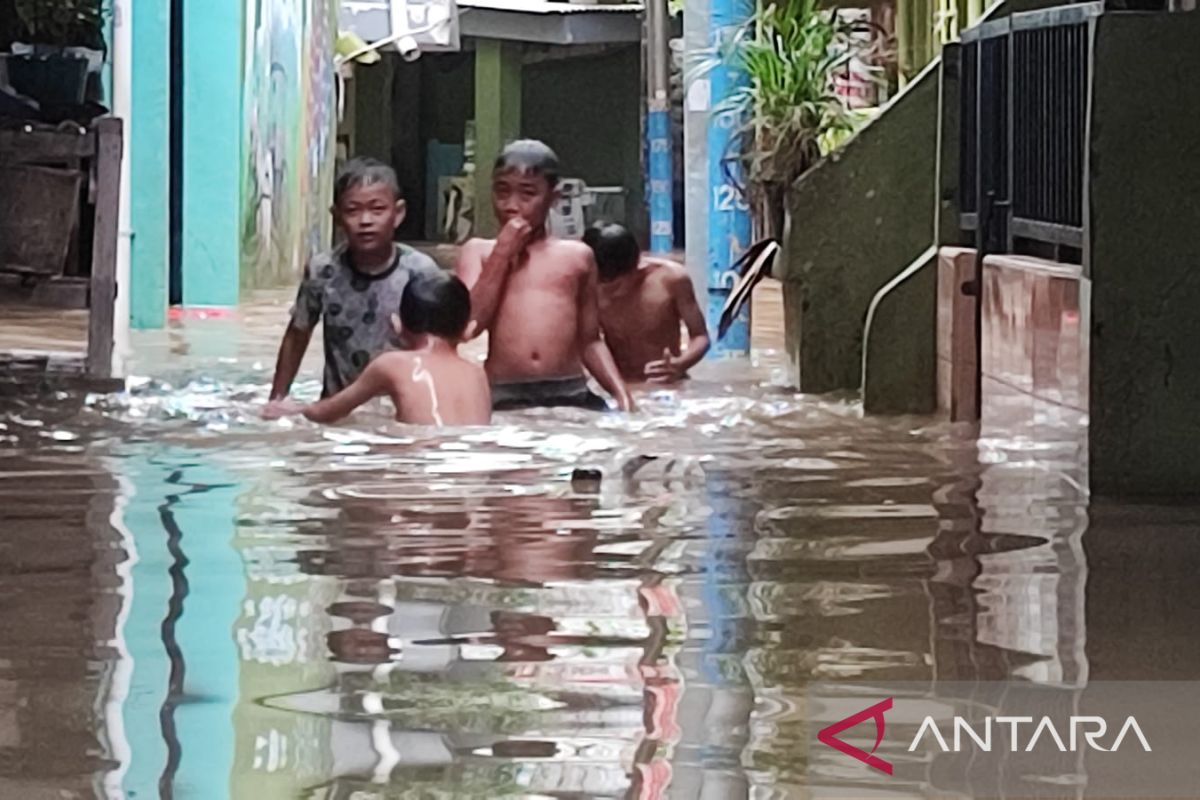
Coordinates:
x,y
200,604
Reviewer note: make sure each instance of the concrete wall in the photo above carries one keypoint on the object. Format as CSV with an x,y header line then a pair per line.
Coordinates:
x,y
856,220
594,125
589,110
451,79
287,101
1145,255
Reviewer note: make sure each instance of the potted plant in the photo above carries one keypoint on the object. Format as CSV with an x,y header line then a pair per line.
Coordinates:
x,y
789,111
58,43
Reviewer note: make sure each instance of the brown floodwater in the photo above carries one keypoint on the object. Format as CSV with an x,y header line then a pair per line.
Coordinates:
x,y
197,603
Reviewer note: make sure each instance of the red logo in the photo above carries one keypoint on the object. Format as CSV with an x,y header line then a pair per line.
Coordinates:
x,y
829,735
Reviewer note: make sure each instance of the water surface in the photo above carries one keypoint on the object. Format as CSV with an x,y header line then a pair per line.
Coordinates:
x,y
197,603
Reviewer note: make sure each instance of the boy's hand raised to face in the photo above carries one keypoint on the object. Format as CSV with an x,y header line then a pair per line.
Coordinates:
x,y
512,239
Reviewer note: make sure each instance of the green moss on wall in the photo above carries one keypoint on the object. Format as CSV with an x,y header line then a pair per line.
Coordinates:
x,y
857,219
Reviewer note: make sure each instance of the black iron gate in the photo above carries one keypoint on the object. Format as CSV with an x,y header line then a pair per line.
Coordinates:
x,y
1024,106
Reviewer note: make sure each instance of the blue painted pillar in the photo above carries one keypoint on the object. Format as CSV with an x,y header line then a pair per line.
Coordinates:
x,y
149,152
662,204
658,128
729,222
212,152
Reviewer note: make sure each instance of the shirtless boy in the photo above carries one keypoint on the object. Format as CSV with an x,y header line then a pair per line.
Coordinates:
x,y
643,301
428,382
536,295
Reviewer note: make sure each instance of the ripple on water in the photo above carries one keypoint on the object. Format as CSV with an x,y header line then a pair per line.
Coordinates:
x,y
393,611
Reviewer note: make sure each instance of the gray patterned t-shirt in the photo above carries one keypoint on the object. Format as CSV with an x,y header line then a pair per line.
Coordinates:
x,y
355,307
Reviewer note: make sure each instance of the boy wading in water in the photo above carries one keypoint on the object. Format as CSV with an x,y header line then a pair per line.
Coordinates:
x,y
428,382
355,288
643,301
536,295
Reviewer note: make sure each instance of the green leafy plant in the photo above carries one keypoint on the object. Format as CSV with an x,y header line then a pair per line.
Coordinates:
x,y
62,23
791,52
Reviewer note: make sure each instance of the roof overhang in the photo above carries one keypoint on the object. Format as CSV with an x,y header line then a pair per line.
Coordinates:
x,y
550,22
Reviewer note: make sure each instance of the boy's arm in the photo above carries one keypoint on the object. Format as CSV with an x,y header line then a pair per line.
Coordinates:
x,y
370,384
291,354
486,276
672,367
305,315
596,356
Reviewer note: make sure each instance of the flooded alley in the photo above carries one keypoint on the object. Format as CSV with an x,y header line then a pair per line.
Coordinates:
x,y
197,603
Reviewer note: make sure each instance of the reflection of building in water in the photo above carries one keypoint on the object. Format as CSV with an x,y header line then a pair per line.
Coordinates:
x,y
201,631
478,645
1008,593
717,700
181,588
58,616
280,635
1007,603
1144,623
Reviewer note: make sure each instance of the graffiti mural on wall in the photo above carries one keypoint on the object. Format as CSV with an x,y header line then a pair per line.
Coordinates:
x,y
288,105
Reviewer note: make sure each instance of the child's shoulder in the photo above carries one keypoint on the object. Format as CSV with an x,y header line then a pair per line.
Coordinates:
x,y
413,259
572,246
664,270
392,363
324,265
477,244
571,252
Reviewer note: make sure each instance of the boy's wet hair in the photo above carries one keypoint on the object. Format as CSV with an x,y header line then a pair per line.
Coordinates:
x,y
436,303
364,172
530,156
616,249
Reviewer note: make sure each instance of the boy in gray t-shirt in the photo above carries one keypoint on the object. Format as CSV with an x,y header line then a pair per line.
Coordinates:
x,y
355,288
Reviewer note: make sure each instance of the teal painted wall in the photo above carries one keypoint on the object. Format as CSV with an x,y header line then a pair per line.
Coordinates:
x,y
212,148
106,73
150,163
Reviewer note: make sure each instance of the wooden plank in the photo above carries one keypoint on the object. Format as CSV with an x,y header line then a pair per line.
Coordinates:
x,y
25,374
70,293
109,137
23,147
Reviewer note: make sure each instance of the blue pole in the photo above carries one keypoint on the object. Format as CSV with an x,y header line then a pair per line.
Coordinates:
x,y
729,222
658,127
662,211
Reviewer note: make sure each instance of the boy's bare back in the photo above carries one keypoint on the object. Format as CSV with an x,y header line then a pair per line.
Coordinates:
x,y
435,388
429,386
544,313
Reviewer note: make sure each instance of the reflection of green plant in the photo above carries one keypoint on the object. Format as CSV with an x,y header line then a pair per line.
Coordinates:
x,y
64,23
791,52
436,704
453,782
